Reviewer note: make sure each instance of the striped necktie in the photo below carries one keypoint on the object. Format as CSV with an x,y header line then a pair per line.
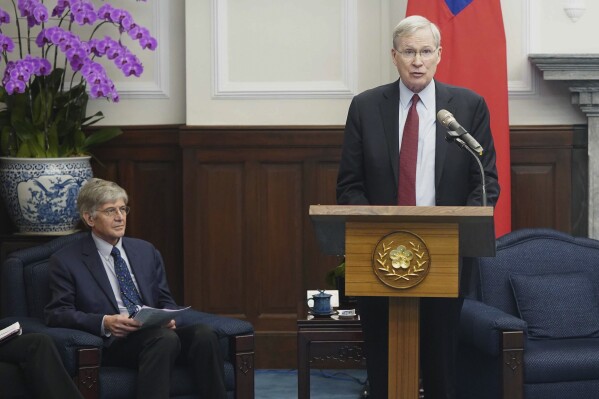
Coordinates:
x,y
408,155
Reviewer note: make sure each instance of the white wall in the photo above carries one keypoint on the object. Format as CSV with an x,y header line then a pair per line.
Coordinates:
x,y
289,62
542,27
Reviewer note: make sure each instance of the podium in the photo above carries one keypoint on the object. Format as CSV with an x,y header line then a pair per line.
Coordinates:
x,y
403,253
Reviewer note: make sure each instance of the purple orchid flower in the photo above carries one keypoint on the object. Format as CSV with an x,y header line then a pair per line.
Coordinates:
x,y
83,12
17,73
4,17
6,44
79,53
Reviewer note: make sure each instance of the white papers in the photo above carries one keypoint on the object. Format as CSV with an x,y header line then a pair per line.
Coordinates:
x,y
10,331
151,316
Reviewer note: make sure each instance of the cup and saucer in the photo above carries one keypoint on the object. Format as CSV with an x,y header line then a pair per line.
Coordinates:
x,y
321,305
346,313
322,314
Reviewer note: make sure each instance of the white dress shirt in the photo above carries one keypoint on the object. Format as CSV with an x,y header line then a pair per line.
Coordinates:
x,y
425,164
104,249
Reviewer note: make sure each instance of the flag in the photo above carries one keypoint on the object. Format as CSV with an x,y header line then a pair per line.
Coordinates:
x,y
474,56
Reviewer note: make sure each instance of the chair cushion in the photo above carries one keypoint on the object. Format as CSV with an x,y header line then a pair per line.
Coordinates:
x,y
561,360
557,305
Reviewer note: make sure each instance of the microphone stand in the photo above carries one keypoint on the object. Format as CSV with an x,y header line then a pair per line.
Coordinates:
x,y
461,143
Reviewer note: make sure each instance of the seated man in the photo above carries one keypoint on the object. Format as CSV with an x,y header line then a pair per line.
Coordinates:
x,y
98,282
32,360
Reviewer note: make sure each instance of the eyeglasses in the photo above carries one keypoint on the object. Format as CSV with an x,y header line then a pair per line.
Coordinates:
x,y
425,54
112,212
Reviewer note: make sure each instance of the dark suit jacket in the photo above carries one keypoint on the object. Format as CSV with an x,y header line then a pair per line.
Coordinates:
x,y
368,173
81,293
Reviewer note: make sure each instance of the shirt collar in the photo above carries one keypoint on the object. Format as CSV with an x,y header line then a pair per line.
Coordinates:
x,y
427,95
105,248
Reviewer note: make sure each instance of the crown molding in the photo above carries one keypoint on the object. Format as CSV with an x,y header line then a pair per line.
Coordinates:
x,y
528,84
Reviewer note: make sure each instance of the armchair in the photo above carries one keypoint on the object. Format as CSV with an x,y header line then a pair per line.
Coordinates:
x,y
532,329
25,293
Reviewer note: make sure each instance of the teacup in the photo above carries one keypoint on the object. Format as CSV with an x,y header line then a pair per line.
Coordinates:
x,y
322,303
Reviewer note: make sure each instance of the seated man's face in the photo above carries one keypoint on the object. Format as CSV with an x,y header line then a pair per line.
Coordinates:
x,y
108,227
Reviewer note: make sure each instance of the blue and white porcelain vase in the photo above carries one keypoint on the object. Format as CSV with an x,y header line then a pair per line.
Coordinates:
x,y
41,193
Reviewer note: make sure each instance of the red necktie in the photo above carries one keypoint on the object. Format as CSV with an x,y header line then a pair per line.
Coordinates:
x,y
406,187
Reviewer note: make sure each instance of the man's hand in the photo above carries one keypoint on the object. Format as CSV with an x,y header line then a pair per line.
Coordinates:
x,y
171,325
120,325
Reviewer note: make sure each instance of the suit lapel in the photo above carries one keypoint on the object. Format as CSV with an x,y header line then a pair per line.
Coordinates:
x,y
92,261
443,100
390,114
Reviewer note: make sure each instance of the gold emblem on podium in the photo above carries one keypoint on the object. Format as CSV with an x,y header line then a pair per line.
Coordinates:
x,y
401,260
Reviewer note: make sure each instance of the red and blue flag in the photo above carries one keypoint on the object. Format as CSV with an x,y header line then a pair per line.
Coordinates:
x,y
474,56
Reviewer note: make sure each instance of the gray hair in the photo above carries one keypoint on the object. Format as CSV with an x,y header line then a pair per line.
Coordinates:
x,y
408,26
96,192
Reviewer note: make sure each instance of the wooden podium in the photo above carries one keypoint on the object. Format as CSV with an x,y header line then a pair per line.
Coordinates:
x,y
403,253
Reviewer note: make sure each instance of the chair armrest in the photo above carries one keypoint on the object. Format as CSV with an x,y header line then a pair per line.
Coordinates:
x,y
222,325
67,340
482,325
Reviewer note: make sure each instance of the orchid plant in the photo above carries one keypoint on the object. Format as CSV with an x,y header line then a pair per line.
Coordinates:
x,y
53,70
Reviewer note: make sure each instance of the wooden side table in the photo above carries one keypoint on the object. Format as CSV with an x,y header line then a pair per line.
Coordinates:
x,y
328,338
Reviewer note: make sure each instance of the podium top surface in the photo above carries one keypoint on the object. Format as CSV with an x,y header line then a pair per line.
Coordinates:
x,y
476,226
455,214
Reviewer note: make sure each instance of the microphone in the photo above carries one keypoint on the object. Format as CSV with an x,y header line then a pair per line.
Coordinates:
x,y
457,131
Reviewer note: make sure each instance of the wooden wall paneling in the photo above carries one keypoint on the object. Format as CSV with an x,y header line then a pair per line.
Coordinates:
x,y
321,181
216,228
281,177
537,207
278,235
580,182
542,177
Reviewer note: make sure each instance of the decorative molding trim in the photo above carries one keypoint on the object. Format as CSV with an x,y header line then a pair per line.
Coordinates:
x,y
387,18
159,87
528,85
223,88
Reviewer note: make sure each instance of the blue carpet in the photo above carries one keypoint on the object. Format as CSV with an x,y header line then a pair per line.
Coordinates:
x,y
329,384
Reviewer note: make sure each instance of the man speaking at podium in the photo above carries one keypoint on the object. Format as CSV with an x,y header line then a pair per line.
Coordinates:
x,y
395,153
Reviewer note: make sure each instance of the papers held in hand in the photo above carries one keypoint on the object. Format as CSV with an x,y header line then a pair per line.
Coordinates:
x,y
11,331
148,316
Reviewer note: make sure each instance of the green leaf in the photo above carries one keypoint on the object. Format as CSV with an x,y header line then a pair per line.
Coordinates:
x,y
17,106
46,121
5,140
42,109
24,129
37,150
4,118
93,119
101,136
338,271
53,80
78,140
24,151
53,142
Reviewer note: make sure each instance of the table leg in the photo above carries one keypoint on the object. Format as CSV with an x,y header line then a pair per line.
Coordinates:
x,y
303,367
